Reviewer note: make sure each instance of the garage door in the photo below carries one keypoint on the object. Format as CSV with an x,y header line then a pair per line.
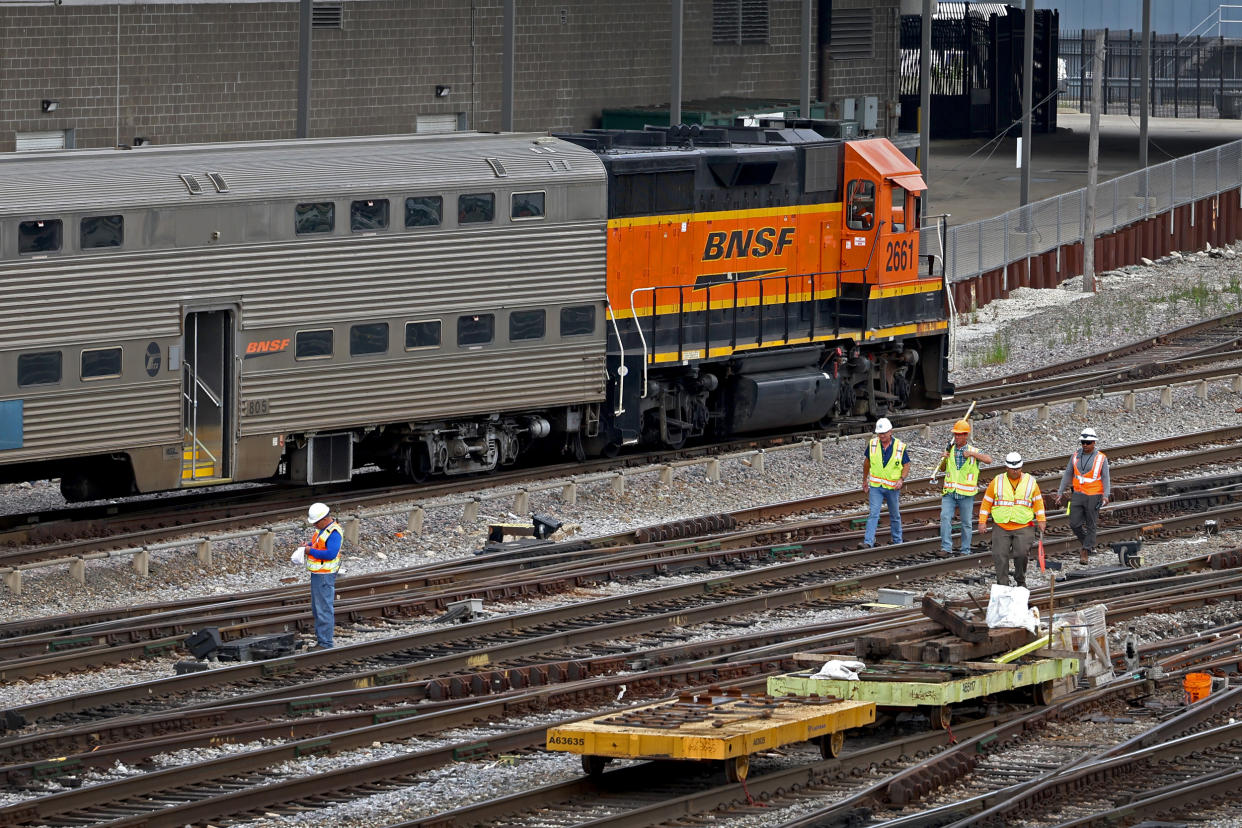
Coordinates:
x,y
31,141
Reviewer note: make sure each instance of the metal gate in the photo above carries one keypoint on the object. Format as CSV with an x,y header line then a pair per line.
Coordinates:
x,y
207,397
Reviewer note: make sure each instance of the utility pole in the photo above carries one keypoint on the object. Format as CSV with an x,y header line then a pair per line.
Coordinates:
x,y
304,69
806,58
506,68
674,95
1093,167
1028,71
925,96
1145,75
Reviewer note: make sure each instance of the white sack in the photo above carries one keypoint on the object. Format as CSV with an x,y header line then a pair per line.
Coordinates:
x,y
1008,607
847,670
299,556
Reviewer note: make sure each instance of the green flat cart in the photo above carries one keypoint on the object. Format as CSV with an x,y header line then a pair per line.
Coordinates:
x,y
904,684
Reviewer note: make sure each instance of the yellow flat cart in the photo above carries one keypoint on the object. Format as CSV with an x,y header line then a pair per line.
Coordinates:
x,y
935,686
720,726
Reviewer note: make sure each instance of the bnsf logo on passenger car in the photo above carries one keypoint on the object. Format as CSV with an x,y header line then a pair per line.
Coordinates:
x,y
266,346
742,244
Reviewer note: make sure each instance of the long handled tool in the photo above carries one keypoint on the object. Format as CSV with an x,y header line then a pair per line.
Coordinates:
x,y
949,447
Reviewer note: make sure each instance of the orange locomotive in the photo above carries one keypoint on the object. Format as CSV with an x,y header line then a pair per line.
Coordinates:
x,y
761,278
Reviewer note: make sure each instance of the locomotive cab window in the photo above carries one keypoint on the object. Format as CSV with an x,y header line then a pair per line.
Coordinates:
x,y
527,206
476,329
101,231
578,320
424,211
41,236
529,324
313,344
860,212
476,208
101,363
38,369
368,215
419,335
371,338
899,209
314,217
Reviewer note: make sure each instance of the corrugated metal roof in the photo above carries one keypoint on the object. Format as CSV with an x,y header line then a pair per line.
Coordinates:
x,y
149,176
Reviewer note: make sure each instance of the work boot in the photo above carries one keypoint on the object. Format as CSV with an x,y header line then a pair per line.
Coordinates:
x,y
1082,556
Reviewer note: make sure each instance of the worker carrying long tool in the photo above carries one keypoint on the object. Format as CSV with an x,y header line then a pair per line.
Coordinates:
x,y
961,483
1091,489
1014,501
885,466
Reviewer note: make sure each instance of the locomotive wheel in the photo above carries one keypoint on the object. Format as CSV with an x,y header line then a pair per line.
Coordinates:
x,y
941,716
594,765
830,745
415,462
737,768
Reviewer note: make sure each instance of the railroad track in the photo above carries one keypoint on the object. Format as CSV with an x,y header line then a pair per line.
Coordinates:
x,y
49,647
75,531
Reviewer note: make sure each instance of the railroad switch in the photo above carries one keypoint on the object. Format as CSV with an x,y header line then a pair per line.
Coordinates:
x,y
464,610
259,647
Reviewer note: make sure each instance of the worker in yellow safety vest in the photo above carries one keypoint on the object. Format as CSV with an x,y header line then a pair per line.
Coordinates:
x,y
885,466
1013,500
322,558
961,484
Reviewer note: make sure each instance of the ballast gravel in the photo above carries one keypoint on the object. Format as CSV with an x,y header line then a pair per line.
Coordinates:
x,y
1025,331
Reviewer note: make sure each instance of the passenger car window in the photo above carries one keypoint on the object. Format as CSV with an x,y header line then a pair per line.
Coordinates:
x,y
100,363
475,208
368,215
424,211
42,236
529,324
314,217
478,329
38,369
860,214
313,344
371,338
578,320
527,206
101,231
422,334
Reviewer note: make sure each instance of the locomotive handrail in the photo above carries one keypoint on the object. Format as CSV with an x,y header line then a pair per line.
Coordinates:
x,y
621,369
642,339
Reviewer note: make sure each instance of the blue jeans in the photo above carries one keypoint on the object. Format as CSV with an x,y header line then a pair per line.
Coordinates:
x,y
964,505
877,495
323,595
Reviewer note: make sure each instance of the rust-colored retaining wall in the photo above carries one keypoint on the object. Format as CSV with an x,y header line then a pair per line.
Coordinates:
x,y
1216,220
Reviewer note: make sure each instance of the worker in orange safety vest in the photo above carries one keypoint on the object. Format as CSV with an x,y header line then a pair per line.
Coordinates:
x,y
1014,501
1092,488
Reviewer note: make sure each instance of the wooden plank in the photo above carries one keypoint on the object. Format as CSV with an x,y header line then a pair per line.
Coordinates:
x,y
951,621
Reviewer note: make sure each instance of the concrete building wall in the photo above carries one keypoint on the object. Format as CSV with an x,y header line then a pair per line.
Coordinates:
x,y
199,70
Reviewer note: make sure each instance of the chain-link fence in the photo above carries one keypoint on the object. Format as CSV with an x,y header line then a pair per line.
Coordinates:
x,y
971,249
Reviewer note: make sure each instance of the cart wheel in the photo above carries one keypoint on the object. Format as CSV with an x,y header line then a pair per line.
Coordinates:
x,y
1045,692
830,745
941,716
594,765
737,768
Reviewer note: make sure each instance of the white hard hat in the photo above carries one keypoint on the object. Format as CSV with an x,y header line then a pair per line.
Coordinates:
x,y
1088,435
317,512
883,426
1013,460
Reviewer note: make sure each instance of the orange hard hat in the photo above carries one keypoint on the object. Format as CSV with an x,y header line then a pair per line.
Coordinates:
x,y
961,427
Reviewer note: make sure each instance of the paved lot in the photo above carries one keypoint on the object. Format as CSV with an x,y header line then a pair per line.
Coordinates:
x,y
974,180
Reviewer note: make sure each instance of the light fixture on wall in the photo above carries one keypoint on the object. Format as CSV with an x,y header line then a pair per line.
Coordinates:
x,y
443,91
50,106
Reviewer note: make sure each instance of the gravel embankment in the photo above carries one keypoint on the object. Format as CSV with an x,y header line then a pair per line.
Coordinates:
x,y
1029,329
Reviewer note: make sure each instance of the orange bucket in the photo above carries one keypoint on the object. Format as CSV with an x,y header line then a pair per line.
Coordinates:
x,y
1197,686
